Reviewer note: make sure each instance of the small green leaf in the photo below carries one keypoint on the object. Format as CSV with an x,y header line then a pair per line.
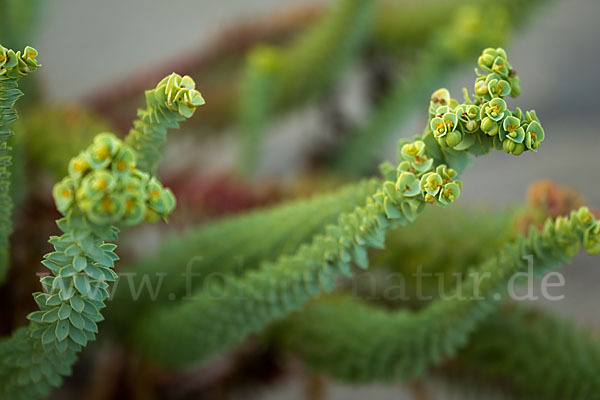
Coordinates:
x,y
78,336
67,271
82,283
62,345
94,272
50,316
73,250
77,320
49,335
90,308
62,329
391,210
77,303
90,325
35,316
79,262
360,257
64,311
66,293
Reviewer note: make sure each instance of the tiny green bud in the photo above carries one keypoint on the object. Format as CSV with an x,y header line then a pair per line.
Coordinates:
x,y
454,138
472,126
489,126
518,149
481,88
508,146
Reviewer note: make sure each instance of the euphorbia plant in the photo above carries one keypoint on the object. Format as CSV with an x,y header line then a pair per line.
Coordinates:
x,y
294,252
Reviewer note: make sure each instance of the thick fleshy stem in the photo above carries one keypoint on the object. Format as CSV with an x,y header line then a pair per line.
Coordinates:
x,y
402,344
13,66
104,188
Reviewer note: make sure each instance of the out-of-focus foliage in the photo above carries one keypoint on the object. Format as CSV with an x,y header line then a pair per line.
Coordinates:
x,y
534,354
65,130
18,21
279,78
401,344
233,246
440,246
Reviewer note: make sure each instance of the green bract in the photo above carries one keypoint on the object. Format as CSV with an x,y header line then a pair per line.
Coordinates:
x,y
449,193
448,174
494,109
416,159
512,131
124,162
498,88
481,87
408,184
64,194
431,183
439,98
534,136
412,151
450,120
438,127
469,117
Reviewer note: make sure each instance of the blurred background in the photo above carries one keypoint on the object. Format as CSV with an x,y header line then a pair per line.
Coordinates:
x,y
99,56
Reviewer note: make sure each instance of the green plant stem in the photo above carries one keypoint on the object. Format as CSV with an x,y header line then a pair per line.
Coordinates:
x,y
230,247
534,354
388,345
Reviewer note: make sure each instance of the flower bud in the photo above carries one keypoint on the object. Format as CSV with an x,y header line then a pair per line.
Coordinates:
x,y
489,126
508,146
472,126
519,149
454,138
481,88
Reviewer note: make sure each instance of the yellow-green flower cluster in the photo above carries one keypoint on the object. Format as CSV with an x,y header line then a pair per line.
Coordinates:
x,y
485,121
104,183
14,64
417,179
581,227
